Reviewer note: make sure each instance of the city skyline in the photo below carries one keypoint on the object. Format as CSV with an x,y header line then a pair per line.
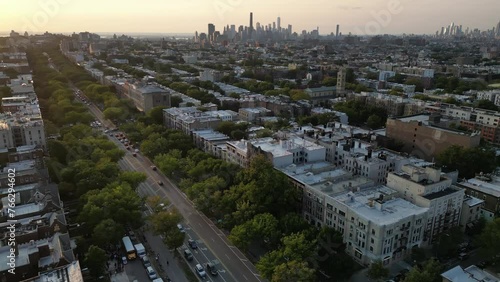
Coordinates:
x,y
358,17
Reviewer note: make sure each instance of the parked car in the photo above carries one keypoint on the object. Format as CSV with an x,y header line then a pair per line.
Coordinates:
x,y
188,255
181,228
153,167
463,256
192,244
124,260
145,261
151,272
212,269
201,272
160,182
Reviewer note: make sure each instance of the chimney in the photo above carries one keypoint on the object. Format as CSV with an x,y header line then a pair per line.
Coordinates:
x,y
369,153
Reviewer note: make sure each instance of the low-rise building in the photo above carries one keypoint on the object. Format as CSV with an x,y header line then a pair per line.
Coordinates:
x,y
321,94
253,114
469,274
146,96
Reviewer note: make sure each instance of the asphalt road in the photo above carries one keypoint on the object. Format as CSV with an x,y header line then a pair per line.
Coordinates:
x,y
214,245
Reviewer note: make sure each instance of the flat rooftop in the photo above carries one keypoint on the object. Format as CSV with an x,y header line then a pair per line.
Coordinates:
x,y
490,188
391,211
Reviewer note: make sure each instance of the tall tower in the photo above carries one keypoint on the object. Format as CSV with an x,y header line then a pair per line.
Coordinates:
x,y
250,29
278,21
211,31
337,32
341,76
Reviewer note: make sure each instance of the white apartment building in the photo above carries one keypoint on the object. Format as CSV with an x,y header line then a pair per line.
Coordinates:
x,y
377,225
237,152
486,117
471,211
426,187
187,119
293,150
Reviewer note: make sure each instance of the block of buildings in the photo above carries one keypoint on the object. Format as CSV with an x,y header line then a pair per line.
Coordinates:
x,y
424,138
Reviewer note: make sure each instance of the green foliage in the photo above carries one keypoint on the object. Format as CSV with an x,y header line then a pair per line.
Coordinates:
x,y
107,232
320,119
294,248
255,86
133,178
165,223
117,202
5,91
358,112
228,127
156,114
485,104
431,272
374,122
297,95
377,270
468,162
96,259
489,240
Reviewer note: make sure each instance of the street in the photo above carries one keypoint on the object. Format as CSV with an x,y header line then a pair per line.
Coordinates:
x,y
214,245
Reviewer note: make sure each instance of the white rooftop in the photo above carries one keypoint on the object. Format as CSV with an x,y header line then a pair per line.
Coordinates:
x,y
470,274
491,188
391,211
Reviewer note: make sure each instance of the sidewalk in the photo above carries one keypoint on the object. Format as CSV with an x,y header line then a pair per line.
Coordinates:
x,y
166,265
116,273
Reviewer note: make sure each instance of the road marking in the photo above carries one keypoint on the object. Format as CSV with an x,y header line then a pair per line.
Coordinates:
x,y
244,276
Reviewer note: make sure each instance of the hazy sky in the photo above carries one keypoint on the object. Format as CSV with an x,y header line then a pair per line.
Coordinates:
x,y
187,16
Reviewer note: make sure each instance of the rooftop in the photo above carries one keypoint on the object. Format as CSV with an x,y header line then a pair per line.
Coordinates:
x,y
388,211
470,274
491,188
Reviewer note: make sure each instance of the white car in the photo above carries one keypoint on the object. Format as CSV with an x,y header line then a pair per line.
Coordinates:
x,y
201,272
124,260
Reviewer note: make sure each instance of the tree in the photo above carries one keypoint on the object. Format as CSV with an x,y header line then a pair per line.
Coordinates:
x,y
297,95
133,178
175,101
468,161
374,121
107,232
114,113
293,271
164,222
96,261
431,271
377,270
486,104
169,163
447,243
156,114
490,239
117,202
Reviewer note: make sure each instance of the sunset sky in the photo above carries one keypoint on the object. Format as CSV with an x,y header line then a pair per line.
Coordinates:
x,y
188,16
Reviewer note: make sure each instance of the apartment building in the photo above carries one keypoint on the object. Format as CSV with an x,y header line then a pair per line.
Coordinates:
x,y
321,94
146,96
379,226
471,211
426,187
423,137
187,119
209,141
486,188
253,114
284,152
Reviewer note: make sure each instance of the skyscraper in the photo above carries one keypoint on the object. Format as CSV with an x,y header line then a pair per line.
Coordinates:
x,y
279,24
337,32
211,31
498,30
250,29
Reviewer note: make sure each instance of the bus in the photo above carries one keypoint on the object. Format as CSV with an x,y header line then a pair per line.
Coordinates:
x,y
129,248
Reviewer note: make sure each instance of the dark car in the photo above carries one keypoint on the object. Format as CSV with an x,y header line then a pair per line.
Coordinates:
x,y
192,244
160,183
211,269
